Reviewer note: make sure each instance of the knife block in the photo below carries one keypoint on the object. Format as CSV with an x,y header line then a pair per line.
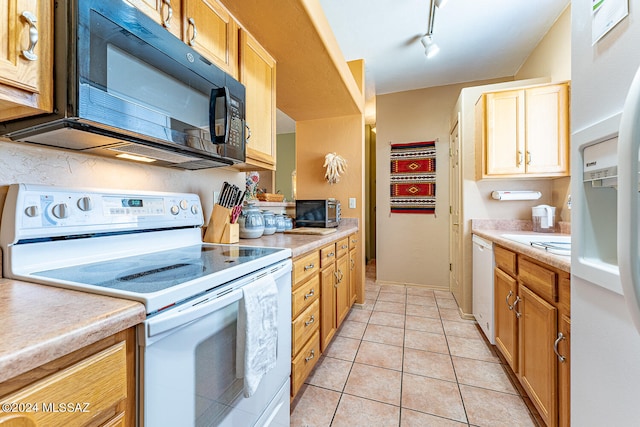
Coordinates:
x,y
220,229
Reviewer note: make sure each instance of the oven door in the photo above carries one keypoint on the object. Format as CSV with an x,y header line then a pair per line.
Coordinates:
x,y
188,363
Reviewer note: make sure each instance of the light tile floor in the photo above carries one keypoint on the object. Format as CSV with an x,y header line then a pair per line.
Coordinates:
x,y
406,358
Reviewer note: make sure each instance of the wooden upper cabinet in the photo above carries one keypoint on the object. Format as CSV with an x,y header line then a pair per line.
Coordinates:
x,y
211,30
523,132
258,74
165,12
26,58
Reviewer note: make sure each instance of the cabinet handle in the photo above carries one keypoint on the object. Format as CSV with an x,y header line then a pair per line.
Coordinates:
x,y
561,337
310,321
331,254
518,314
528,157
167,21
192,40
335,274
311,293
354,241
311,355
520,158
33,36
509,295
353,263
345,246
309,267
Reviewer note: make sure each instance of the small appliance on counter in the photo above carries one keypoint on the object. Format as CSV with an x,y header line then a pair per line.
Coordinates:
x,y
323,213
543,217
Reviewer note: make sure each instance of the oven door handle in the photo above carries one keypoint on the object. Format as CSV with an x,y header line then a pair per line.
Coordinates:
x,y
177,317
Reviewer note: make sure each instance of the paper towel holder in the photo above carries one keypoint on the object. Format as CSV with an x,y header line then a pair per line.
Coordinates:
x,y
515,195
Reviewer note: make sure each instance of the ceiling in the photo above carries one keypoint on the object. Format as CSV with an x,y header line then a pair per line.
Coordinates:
x,y
478,40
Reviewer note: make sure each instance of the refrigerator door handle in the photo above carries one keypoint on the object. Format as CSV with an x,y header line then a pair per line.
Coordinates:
x,y
628,145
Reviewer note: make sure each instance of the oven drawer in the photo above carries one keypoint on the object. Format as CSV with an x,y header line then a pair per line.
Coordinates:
x,y
305,295
305,267
327,255
79,394
304,326
304,363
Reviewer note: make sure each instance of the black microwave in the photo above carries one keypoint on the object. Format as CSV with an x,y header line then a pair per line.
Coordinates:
x,y
318,213
127,87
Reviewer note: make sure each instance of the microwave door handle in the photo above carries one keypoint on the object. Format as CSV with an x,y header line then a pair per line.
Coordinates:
x,y
628,145
216,94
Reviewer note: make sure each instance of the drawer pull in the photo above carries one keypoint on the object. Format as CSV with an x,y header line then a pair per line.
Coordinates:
x,y
167,21
345,246
309,267
518,314
192,40
311,293
509,295
561,337
330,254
311,320
354,240
33,36
311,355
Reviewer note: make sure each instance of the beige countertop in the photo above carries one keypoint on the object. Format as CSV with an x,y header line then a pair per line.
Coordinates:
x,y
561,262
303,243
41,323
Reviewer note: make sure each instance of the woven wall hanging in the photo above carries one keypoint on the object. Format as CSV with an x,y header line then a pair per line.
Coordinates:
x,y
413,177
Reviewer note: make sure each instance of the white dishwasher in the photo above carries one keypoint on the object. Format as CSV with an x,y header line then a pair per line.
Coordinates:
x,y
483,286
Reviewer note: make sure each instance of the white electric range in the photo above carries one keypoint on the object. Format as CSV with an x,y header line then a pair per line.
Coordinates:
x,y
147,247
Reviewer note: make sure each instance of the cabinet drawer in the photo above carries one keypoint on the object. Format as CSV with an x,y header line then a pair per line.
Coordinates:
x,y
305,295
540,280
306,266
327,255
304,326
353,241
505,259
304,363
342,247
93,386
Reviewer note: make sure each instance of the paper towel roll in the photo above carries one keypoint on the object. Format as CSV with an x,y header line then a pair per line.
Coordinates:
x,y
516,195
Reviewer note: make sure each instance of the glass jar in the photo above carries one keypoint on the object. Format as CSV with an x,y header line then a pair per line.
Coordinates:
x,y
288,222
269,222
280,225
251,222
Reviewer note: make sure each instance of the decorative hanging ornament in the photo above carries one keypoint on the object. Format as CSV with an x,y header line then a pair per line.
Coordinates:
x,y
335,165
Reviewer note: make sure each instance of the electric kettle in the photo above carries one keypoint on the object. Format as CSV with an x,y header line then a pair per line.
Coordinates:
x,y
543,217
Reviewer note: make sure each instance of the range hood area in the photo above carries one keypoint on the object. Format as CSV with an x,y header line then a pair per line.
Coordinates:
x,y
125,87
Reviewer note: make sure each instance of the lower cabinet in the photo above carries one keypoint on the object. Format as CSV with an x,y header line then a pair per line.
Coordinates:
x,y
321,299
94,386
533,326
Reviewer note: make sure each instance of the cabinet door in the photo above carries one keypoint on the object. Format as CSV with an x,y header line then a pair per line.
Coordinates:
x,y
547,118
164,12
538,363
564,370
354,275
505,133
343,297
26,58
258,74
327,306
505,296
213,32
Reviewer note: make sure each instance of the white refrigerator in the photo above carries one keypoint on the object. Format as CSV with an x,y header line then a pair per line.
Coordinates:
x,y
605,344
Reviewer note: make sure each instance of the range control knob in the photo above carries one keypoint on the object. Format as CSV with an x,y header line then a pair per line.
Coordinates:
x,y
32,211
85,203
184,204
60,211
195,210
175,210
